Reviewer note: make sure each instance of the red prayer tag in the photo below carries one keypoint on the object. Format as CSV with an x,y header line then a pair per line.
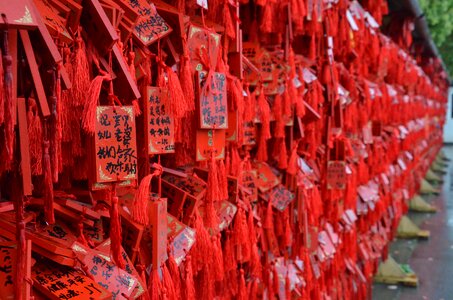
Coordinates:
x,y
210,141
213,100
115,144
150,25
336,175
160,123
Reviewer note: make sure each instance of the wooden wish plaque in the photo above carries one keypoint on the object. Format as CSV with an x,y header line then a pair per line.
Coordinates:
x,y
150,25
8,251
104,271
210,141
280,197
336,175
115,144
213,108
64,283
203,43
266,179
19,14
182,238
160,124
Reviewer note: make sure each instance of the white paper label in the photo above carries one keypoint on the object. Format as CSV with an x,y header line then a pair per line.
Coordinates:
x,y
203,3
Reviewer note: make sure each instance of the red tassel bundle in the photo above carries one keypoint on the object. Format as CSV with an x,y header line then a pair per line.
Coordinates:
x,y
89,111
142,197
115,232
48,185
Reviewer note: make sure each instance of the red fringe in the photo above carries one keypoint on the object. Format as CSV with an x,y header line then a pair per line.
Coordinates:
x,y
186,76
175,275
115,233
189,286
48,185
154,285
213,194
142,197
89,111
2,93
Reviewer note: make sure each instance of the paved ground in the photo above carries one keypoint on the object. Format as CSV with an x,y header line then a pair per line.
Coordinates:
x,y
431,259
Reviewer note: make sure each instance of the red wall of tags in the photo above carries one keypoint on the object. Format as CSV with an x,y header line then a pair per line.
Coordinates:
x,y
250,149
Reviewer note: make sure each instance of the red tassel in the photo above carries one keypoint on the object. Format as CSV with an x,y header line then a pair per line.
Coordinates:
x,y
202,244
223,181
213,194
80,74
168,283
189,286
179,104
312,48
228,22
277,109
292,163
242,292
240,231
140,205
81,238
261,154
2,100
255,264
185,73
115,233
175,275
283,156
154,285
217,255
264,115
267,18
229,262
35,138
136,106
8,102
48,185
253,289
89,111
287,103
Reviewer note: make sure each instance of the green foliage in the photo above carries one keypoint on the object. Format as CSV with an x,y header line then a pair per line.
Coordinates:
x,y
439,15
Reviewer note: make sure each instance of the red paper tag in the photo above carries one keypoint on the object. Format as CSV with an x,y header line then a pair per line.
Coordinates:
x,y
336,175
115,144
161,134
213,101
210,141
